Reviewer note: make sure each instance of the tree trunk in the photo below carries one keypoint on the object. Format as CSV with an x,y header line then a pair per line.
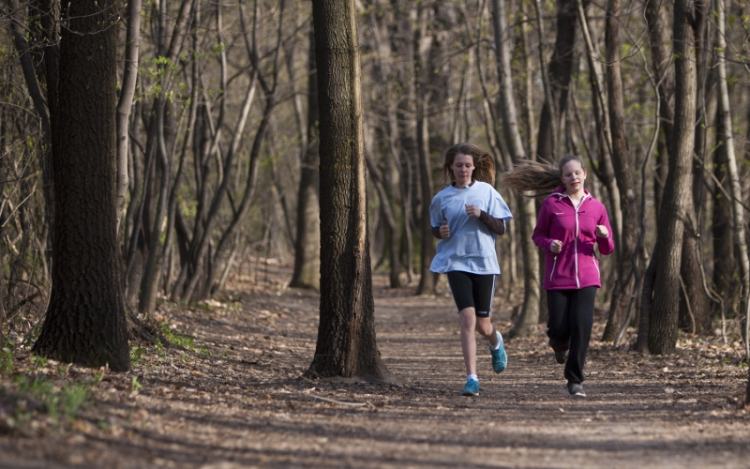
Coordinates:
x,y
670,229
346,344
560,72
427,279
529,317
307,247
656,15
85,321
46,14
695,306
606,172
738,219
647,301
626,278
390,223
724,280
124,104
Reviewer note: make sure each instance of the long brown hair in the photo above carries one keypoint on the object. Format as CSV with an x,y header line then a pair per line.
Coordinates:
x,y
541,179
484,164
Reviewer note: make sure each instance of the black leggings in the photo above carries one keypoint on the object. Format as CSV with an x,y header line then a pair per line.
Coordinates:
x,y
571,316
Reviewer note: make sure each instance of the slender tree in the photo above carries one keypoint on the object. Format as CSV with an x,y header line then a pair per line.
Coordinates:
x,y
735,189
670,229
346,343
621,161
529,317
85,321
422,74
307,243
125,102
560,72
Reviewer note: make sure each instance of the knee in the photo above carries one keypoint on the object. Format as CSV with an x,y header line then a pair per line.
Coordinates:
x,y
484,327
468,318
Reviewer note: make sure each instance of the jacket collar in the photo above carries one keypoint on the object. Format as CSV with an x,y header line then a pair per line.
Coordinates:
x,y
558,193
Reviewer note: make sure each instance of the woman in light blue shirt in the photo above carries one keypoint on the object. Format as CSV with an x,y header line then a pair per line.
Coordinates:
x,y
466,216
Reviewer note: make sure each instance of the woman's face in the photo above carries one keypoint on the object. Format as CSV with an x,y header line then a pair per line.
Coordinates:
x,y
573,176
463,168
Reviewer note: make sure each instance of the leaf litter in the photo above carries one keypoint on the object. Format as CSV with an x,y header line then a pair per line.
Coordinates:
x,y
233,396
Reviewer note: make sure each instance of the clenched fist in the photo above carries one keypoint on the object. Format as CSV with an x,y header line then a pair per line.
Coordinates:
x,y
473,211
445,231
556,246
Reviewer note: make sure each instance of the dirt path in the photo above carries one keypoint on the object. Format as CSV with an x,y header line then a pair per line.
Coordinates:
x,y
245,406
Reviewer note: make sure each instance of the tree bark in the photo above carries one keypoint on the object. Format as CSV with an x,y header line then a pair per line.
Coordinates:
x,y
670,230
738,219
695,306
604,131
559,72
124,104
422,44
307,247
529,317
85,321
46,13
724,280
346,344
626,279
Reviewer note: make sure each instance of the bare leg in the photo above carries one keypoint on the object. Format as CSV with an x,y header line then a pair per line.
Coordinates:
x,y
470,323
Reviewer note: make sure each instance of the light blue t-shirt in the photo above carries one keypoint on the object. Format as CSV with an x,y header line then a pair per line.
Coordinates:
x,y
471,245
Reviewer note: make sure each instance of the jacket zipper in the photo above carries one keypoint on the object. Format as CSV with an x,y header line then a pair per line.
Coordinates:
x,y
575,245
593,259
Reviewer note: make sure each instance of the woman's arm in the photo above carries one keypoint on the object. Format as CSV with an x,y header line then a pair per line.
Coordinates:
x,y
496,225
541,230
606,245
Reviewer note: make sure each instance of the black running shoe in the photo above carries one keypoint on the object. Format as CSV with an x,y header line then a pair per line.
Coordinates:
x,y
575,390
560,357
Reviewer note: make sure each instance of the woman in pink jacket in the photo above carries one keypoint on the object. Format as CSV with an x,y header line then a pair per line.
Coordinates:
x,y
571,223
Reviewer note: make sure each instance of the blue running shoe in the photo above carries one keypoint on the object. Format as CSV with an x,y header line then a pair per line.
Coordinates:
x,y
471,388
499,358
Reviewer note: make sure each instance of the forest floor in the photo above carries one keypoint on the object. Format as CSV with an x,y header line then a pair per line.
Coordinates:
x,y
234,397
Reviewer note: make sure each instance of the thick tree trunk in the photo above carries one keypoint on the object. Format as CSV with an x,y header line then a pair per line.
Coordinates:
x,y
346,344
529,317
670,230
85,320
307,247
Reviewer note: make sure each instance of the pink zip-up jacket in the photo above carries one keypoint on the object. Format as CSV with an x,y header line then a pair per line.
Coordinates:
x,y
576,265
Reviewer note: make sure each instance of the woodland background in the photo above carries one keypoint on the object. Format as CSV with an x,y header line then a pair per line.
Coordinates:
x,y
218,130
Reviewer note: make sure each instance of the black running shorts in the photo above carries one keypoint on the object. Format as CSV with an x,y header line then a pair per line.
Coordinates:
x,y
473,291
